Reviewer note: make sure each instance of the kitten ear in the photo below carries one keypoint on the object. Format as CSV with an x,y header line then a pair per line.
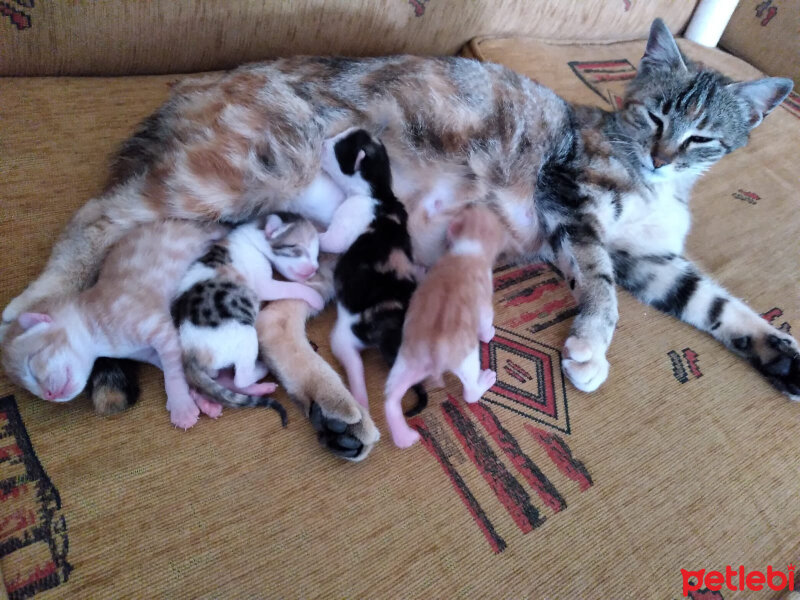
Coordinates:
x,y
29,319
662,51
359,157
761,96
273,226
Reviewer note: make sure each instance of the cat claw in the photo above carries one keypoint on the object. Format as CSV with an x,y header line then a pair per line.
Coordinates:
x,y
586,368
184,419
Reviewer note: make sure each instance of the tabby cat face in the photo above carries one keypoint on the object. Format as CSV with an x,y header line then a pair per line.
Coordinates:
x,y
679,118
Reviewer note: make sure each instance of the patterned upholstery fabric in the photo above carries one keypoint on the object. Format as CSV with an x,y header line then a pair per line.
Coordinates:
x,y
118,37
684,459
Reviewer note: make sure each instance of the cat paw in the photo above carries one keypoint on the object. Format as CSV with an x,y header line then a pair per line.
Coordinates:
x,y
405,437
315,300
487,379
185,416
206,405
351,441
778,359
585,366
487,335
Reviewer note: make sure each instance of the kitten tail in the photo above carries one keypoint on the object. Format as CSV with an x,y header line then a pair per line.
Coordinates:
x,y
198,378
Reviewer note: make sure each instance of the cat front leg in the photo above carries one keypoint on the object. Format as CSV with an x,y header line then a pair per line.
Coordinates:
x,y
674,285
343,426
183,410
582,257
349,221
270,289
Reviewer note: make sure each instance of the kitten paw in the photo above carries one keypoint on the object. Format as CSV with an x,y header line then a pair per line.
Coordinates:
x,y
315,300
185,417
488,335
486,379
206,405
259,389
405,438
586,367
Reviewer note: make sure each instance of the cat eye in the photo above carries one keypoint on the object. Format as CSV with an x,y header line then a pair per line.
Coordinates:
x,y
657,122
289,251
699,139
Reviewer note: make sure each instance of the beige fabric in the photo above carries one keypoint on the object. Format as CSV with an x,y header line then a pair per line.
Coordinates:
x,y
692,475
766,33
118,37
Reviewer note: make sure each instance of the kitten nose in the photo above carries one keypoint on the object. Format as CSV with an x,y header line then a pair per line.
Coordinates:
x,y
659,161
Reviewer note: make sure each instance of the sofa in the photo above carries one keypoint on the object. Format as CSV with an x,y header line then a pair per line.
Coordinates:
x,y
685,458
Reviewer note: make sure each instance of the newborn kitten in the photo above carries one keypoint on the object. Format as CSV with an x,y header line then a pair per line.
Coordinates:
x,y
50,350
220,296
375,277
450,311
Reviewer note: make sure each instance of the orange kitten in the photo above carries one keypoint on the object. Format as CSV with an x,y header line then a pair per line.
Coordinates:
x,y
50,350
450,311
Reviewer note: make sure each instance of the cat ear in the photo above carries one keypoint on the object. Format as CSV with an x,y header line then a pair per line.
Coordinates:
x,y
29,319
359,157
662,51
761,96
274,226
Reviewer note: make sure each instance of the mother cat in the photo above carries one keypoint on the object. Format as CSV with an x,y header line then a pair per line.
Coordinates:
x,y
602,195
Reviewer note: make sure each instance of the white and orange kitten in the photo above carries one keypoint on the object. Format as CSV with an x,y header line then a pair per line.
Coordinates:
x,y
449,313
126,314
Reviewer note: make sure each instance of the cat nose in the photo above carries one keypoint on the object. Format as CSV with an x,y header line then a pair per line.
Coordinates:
x,y
659,160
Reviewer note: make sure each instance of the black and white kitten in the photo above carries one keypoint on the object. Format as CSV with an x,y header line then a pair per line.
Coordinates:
x,y
376,276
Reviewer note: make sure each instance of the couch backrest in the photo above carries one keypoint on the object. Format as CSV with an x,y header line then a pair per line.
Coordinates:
x,y
766,33
118,37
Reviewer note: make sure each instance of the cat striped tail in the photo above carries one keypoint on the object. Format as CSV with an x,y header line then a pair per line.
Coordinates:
x,y
198,378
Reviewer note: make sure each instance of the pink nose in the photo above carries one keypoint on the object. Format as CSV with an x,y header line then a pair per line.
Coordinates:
x,y
659,161
49,395
306,272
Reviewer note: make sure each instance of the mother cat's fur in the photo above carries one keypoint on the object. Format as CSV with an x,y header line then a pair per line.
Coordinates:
x,y
571,185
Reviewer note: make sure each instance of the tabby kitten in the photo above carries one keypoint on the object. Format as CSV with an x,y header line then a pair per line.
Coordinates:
x,y
375,277
220,295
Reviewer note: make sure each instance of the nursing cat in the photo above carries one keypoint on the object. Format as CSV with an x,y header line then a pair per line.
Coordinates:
x,y
603,195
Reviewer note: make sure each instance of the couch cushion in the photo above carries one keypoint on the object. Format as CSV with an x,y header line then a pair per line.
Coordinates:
x,y
118,37
685,459
766,34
